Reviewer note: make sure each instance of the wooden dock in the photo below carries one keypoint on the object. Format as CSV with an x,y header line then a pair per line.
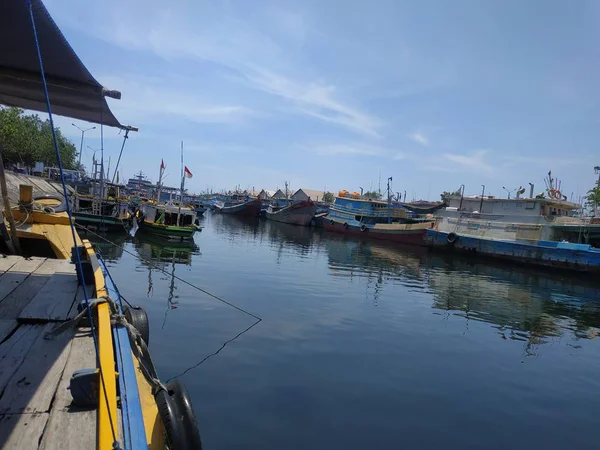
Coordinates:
x,y
36,294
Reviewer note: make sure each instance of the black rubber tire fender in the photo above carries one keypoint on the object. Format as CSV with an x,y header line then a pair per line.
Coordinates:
x,y
186,416
452,237
60,208
363,227
136,316
170,417
345,226
332,222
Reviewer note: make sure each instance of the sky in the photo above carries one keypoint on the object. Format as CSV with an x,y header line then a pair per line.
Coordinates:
x,y
334,95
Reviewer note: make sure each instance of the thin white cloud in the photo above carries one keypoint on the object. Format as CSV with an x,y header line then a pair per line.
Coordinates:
x,y
474,162
233,43
147,100
420,138
337,149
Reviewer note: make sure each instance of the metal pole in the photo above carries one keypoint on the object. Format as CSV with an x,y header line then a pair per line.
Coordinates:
x,y
81,145
7,208
182,184
462,195
481,203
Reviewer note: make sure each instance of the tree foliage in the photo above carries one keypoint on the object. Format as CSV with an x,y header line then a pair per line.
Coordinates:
x,y
446,195
593,197
372,194
328,197
27,139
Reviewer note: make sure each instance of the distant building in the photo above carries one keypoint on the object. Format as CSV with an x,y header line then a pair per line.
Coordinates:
x,y
278,195
306,194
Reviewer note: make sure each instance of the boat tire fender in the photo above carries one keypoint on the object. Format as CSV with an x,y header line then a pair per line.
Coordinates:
x,y
136,316
60,208
451,238
345,225
175,410
363,227
332,222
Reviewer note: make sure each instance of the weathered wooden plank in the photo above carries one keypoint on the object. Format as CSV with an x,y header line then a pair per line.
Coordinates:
x,y
7,261
54,301
12,305
14,350
33,385
14,276
6,327
22,431
70,427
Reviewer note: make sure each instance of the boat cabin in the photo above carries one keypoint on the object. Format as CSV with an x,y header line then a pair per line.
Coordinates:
x,y
167,215
516,206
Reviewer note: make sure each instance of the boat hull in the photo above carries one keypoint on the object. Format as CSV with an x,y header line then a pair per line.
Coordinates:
x,y
412,234
300,213
168,232
106,223
577,257
248,209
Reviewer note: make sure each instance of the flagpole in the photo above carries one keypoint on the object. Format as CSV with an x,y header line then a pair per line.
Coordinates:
x,y
182,183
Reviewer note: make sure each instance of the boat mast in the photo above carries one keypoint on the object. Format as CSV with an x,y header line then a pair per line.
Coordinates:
x,y
389,200
182,184
159,184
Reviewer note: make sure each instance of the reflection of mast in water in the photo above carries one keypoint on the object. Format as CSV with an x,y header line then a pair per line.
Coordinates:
x,y
150,284
171,304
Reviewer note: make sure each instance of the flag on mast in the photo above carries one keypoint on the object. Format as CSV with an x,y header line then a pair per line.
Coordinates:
x,y
162,164
187,173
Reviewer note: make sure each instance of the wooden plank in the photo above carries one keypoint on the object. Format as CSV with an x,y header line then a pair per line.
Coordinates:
x,y
14,276
79,297
54,301
12,305
32,387
70,427
7,261
14,350
22,431
6,327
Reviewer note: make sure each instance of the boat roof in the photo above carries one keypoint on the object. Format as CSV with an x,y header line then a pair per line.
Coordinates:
x,y
73,91
548,201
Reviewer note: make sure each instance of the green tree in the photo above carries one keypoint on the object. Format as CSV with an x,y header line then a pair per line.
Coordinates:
x,y
372,194
27,139
446,195
593,198
328,197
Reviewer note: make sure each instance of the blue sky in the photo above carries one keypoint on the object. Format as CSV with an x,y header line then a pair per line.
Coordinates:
x,y
329,94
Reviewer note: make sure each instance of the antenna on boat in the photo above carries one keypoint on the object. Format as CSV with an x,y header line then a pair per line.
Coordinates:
x,y
182,183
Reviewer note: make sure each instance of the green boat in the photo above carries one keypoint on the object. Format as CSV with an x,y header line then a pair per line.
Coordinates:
x,y
168,221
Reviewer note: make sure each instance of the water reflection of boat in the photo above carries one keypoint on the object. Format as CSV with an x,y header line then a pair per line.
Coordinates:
x,y
156,252
110,246
528,305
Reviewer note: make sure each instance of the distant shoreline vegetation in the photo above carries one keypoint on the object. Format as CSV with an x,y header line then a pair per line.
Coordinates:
x,y
26,139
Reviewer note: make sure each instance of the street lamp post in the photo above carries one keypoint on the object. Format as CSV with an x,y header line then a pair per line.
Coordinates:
x,y
81,145
93,159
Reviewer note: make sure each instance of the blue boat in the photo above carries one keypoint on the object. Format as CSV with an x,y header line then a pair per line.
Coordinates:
x,y
537,230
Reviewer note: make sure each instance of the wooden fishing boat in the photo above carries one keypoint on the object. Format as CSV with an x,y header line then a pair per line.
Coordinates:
x,y
365,217
167,221
100,206
249,208
295,213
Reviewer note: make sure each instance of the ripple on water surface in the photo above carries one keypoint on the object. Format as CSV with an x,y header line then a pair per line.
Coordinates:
x,y
364,344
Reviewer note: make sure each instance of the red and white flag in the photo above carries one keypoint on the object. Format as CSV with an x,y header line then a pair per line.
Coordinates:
x,y
187,173
162,164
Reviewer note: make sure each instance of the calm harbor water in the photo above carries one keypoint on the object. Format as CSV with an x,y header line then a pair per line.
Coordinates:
x,y
364,344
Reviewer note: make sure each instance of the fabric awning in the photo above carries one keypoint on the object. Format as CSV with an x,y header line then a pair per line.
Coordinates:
x,y
73,91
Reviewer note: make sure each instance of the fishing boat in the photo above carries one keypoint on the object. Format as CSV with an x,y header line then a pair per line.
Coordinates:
x,y
352,213
538,230
101,206
168,220
295,213
76,370
239,205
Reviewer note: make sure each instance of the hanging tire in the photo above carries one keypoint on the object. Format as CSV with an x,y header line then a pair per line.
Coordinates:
x,y
452,237
136,316
178,418
345,226
363,227
332,222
